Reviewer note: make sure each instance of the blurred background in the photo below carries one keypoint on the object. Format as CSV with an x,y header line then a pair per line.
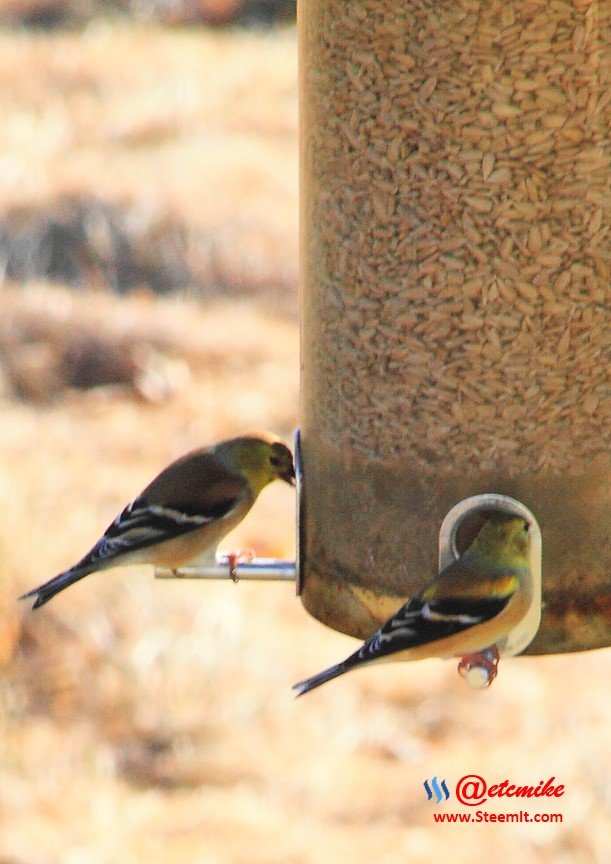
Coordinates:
x,y
148,305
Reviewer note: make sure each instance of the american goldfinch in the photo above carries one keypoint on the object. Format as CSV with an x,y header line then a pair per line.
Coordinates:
x,y
466,610
182,515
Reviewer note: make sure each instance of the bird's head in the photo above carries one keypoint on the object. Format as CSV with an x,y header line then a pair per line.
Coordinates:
x,y
260,459
503,538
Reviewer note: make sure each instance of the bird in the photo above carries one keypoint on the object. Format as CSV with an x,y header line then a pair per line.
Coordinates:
x,y
185,511
469,607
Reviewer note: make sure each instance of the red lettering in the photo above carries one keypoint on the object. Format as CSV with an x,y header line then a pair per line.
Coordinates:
x,y
548,788
471,790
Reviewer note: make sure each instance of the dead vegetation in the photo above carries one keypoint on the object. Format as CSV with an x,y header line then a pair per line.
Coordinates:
x,y
50,14
90,244
52,344
124,174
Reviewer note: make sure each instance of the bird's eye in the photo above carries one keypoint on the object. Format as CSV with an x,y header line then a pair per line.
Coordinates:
x,y
276,461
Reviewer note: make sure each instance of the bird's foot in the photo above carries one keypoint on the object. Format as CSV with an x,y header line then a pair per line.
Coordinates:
x,y
234,558
481,668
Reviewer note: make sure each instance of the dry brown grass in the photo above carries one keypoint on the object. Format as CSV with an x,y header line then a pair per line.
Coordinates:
x,y
187,130
145,721
77,13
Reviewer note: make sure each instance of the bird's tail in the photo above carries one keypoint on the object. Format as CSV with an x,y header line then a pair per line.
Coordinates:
x,y
49,589
316,680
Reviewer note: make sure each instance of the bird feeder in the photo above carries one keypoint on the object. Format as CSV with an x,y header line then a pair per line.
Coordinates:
x,y
454,327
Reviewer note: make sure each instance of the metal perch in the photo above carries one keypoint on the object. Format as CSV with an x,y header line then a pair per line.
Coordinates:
x,y
257,570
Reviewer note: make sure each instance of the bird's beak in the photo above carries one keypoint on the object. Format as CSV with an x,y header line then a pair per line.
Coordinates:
x,y
288,476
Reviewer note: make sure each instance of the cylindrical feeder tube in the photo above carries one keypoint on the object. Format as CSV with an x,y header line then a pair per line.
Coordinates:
x,y
454,317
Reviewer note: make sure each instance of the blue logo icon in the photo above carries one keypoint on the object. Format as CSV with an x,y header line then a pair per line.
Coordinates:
x,y
440,790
